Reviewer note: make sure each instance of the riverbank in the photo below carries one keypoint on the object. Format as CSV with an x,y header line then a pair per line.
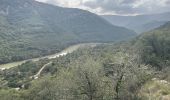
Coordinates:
x,y
70,49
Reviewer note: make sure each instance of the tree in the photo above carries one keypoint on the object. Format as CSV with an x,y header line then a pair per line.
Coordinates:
x,y
125,74
90,80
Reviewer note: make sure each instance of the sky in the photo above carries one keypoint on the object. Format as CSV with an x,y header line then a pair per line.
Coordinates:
x,y
116,7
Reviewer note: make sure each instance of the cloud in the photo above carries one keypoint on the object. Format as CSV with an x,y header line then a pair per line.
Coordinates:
x,y
123,7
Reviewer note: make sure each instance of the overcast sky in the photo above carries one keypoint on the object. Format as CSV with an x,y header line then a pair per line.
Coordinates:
x,y
118,7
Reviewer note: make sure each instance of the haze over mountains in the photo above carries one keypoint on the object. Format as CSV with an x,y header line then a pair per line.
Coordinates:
x,y
30,29
139,23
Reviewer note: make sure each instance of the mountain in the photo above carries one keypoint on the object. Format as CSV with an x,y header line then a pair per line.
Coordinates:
x,y
148,26
154,46
139,23
30,29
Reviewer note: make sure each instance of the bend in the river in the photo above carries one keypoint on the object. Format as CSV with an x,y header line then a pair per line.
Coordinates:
x,y
62,53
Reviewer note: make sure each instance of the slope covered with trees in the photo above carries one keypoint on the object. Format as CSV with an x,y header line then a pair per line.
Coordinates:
x,y
133,70
154,46
138,69
30,29
102,73
128,70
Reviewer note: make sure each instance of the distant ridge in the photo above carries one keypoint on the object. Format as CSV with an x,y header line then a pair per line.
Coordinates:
x,y
139,23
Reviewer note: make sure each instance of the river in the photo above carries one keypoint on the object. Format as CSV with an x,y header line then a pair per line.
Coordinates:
x,y
70,49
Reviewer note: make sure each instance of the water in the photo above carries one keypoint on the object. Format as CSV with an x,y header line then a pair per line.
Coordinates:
x,y
62,53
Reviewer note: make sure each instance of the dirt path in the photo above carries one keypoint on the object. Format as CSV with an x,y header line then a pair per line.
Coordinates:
x,y
39,72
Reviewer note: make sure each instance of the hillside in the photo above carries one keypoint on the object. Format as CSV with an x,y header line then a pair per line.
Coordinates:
x,y
105,72
134,70
139,23
72,54
154,50
154,46
30,29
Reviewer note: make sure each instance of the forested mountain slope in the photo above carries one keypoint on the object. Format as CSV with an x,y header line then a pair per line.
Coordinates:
x,y
154,46
153,49
134,70
105,72
31,29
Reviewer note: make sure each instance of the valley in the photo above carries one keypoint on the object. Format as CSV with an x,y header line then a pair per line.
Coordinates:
x,y
64,52
33,29
84,50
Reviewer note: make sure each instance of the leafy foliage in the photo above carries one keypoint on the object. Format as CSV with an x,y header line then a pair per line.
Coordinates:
x,y
88,74
154,47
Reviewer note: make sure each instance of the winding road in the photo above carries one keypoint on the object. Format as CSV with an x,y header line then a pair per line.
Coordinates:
x,y
39,72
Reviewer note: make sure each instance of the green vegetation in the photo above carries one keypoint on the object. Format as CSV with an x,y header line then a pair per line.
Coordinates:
x,y
153,47
134,70
138,69
31,29
101,73
156,90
